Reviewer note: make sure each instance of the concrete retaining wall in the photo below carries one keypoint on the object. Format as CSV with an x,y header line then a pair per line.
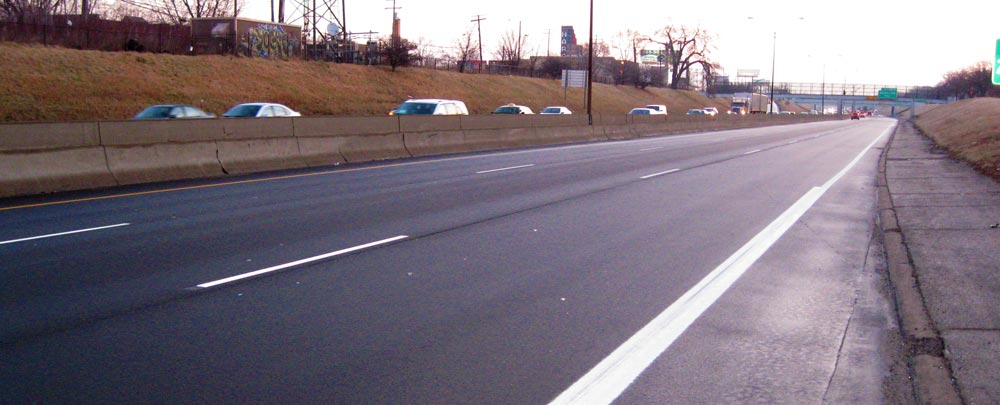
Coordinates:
x,y
40,158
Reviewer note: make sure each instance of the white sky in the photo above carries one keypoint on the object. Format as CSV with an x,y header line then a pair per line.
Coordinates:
x,y
889,42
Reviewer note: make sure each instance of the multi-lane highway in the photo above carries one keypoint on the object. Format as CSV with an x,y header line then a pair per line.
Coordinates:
x,y
718,267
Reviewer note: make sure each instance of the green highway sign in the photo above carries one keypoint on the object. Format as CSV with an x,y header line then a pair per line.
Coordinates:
x,y
887,93
996,65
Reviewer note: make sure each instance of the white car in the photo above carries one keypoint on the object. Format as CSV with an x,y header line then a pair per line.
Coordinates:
x,y
431,106
260,110
556,110
711,111
642,111
657,109
513,109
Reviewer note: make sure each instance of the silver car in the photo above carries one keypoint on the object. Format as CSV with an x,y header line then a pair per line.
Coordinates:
x,y
261,110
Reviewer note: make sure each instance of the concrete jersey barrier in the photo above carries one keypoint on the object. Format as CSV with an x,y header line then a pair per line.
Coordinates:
x,y
39,158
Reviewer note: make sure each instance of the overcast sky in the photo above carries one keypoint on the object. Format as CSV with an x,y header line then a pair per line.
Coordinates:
x,y
882,42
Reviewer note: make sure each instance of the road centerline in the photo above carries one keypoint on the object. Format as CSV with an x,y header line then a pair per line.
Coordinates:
x,y
649,176
504,168
65,233
298,262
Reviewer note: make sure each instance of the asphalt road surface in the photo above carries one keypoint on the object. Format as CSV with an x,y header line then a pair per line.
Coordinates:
x,y
722,267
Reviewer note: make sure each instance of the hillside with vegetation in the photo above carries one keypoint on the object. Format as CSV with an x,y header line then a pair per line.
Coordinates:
x,y
57,84
968,129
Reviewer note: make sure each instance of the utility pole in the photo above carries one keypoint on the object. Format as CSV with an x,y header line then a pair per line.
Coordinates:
x,y
548,42
395,19
479,27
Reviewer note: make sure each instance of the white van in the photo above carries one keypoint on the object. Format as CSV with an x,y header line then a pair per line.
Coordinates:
x,y
658,109
431,106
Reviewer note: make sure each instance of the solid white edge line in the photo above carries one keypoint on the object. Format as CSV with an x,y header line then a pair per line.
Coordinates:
x,y
649,176
505,168
65,233
649,149
613,375
299,262
752,152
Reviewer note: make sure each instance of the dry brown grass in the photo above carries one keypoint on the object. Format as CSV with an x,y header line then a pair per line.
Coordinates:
x,y
968,129
55,84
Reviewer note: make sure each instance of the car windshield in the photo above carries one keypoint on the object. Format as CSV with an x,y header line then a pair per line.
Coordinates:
x,y
159,111
507,110
243,110
552,110
415,108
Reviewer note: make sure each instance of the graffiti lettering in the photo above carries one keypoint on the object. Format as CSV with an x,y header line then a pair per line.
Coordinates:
x,y
269,41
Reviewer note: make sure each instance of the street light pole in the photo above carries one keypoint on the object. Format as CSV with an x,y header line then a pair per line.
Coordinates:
x,y
822,93
774,44
590,67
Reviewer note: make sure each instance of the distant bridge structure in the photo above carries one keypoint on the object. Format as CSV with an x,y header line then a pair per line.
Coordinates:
x,y
840,97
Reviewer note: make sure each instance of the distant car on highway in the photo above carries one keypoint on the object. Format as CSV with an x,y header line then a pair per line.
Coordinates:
x,y
642,111
260,110
856,115
711,111
431,106
513,109
657,109
172,111
556,110
696,111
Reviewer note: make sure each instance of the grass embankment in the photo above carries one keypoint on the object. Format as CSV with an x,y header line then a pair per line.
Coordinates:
x,y
56,84
968,129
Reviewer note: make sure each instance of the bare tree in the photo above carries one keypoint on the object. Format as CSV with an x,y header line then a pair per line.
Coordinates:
x,y
686,47
601,49
627,44
398,52
511,50
29,10
466,49
178,11
972,81
423,50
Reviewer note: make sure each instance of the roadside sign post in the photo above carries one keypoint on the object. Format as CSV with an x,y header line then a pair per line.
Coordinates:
x,y
996,65
574,78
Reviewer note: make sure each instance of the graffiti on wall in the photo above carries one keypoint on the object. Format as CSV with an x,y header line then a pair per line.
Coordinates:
x,y
269,41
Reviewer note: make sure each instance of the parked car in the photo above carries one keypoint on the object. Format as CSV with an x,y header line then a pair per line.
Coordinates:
x,y
260,110
658,109
696,111
431,106
172,111
641,111
513,109
711,111
556,110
